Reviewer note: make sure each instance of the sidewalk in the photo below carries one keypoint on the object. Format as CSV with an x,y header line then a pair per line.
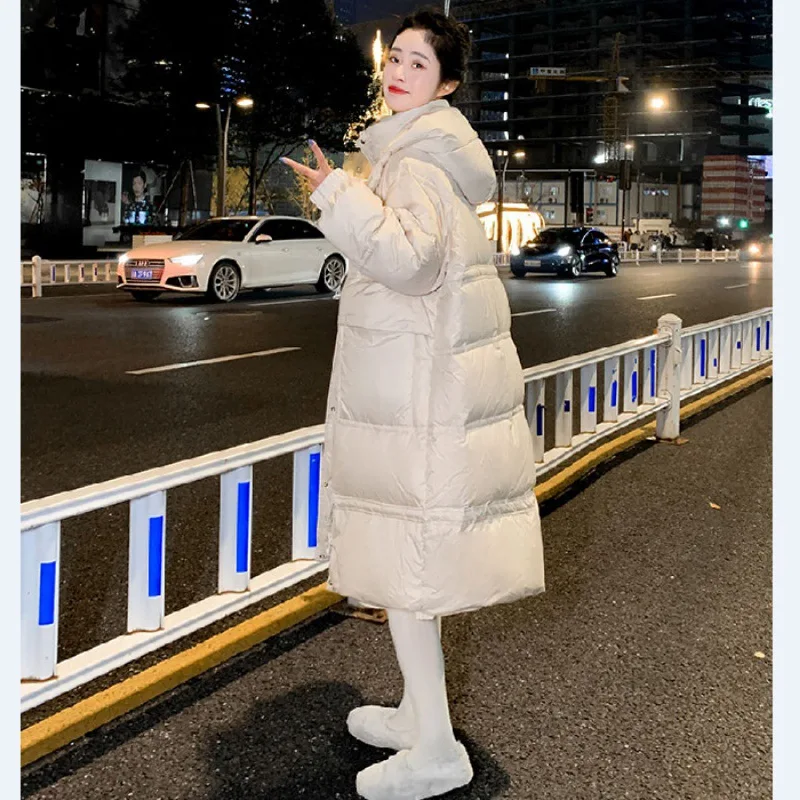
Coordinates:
x,y
633,676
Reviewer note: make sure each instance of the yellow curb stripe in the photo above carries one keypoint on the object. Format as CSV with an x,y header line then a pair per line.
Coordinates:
x,y
54,732
48,735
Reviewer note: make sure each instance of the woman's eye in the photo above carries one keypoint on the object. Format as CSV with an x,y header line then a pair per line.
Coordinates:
x,y
417,64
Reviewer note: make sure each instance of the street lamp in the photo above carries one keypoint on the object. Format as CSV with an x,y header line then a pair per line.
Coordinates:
x,y
657,102
519,155
222,144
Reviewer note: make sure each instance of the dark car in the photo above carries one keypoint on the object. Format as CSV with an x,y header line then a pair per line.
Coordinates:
x,y
567,252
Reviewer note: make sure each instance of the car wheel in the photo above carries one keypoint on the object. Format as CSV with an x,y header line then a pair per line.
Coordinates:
x,y
518,273
224,282
574,269
145,297
332,275
611,268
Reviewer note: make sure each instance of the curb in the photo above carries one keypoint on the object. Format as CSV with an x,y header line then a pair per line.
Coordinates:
x,y
65,726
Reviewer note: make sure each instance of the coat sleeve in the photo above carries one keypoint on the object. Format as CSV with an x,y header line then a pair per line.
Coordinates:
x,y
399,241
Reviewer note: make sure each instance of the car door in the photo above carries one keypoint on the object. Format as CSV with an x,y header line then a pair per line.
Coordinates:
x,y
605,249
590,249
268,263
310,248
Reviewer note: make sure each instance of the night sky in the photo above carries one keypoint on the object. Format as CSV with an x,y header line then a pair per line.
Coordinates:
x,y
367,10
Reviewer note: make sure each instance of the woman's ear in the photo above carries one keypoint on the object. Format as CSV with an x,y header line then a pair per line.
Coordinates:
x,y
447,87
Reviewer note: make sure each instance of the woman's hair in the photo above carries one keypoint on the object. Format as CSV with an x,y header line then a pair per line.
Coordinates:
x,y
449,39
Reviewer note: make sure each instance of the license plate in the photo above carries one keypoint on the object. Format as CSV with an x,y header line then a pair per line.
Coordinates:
x,y
533,262
142,274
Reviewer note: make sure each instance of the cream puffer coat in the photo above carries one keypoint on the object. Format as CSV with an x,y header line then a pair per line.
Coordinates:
x,y
427,499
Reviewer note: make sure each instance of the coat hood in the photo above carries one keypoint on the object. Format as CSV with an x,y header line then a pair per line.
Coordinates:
x,y
443,134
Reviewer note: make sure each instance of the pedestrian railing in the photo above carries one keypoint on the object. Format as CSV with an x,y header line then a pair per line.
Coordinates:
x,y
638,378
679,255
38,272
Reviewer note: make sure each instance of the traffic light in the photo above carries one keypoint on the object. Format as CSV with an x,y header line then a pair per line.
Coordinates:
x,y
589,213
744,224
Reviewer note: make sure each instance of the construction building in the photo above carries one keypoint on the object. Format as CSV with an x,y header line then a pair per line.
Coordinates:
x,y
631,94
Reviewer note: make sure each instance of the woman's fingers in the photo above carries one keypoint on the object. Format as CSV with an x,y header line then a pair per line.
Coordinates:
x,y
322,162
301,168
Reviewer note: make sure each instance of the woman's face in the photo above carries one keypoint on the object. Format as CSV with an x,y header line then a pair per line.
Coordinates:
x,y
411,77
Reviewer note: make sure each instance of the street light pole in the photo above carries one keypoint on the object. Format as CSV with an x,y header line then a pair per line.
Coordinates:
x,y
500,199
222,155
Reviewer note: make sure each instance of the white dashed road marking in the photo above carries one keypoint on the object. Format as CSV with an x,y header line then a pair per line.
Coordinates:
x,y
738,286
656,296
185,364
537,311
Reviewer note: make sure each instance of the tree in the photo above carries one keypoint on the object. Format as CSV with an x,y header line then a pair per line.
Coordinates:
x,y
305,74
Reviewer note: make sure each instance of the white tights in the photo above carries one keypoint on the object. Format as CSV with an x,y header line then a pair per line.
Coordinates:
x,y
418,645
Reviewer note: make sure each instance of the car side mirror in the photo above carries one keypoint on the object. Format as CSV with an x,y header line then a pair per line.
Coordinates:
x,y
263,237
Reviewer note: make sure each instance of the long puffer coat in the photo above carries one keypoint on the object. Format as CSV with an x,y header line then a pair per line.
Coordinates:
x,y
427,499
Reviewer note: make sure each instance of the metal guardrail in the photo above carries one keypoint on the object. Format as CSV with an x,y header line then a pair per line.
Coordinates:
x,y
679,256
641,377
38,272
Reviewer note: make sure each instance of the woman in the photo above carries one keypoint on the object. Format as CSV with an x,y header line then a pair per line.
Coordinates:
x,y
427,501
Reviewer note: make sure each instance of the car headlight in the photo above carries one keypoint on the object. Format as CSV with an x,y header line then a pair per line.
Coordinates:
x,y
754,249
515,251
122,259
564,251
188,260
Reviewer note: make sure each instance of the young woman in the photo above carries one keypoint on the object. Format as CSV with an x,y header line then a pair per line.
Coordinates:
x,y
427,500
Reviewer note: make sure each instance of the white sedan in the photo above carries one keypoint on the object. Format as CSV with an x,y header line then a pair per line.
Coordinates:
x,y
223,255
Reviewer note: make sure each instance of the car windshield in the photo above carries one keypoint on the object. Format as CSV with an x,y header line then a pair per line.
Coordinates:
x,y
219,230
554,236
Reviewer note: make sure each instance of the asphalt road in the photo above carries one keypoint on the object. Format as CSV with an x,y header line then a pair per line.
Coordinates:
x,y
643,672
87,418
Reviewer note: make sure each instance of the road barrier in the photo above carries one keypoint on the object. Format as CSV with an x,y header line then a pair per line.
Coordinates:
x,y
646,376
679,255
38,273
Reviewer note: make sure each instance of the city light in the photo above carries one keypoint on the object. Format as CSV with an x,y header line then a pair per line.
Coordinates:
x,y
519,155
724,222
629,145
245,102
600,158
202,106
657,102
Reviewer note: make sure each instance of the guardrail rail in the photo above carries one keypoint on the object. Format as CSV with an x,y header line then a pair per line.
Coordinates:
x,y
39,272
617,386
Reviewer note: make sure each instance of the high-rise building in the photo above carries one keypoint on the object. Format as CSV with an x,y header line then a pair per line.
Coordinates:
x,y
592,84
345,11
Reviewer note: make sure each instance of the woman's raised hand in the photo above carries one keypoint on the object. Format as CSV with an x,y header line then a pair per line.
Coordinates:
x,y
315,176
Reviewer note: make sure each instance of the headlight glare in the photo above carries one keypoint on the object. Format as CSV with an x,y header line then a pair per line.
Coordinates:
x,y
564,251
187,260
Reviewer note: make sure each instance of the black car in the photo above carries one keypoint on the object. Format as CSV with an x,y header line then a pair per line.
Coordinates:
x,y
567,252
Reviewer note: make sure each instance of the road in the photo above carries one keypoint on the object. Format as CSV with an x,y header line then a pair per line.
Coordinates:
x,y
92,410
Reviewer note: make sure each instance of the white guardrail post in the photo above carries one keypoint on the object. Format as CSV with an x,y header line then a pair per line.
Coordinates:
x,y
40,570
535,414
36,276
589,398
697,256
668,420
235,529
148,516
305,502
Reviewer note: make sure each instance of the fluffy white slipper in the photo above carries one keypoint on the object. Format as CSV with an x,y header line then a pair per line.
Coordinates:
x,y
406,776
372,725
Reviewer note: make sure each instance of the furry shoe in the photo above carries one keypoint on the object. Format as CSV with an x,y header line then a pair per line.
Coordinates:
x,y
372,725
409,776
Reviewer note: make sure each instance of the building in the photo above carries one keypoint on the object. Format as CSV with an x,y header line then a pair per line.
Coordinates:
x,y
345,11
636,92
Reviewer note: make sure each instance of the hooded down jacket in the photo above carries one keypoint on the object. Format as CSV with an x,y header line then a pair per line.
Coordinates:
x,y
427,499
